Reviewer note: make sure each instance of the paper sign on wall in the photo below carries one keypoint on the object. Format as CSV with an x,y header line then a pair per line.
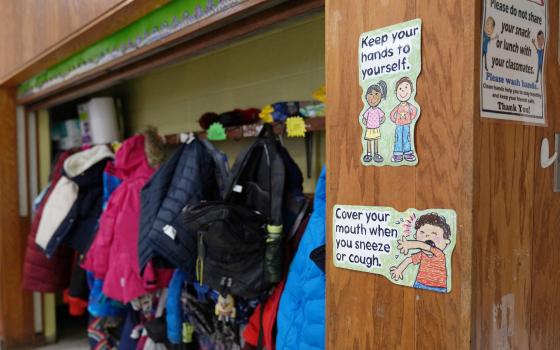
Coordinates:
x,y
411,248
389,64
514,37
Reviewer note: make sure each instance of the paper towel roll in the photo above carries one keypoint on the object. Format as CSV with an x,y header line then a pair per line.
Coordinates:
x,y
103,122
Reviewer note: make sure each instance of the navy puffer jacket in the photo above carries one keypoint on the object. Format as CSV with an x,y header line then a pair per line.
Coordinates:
x,y
192,174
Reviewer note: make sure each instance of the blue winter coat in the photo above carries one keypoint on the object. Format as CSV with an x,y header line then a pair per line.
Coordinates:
x,y
301,314
192,174
174,310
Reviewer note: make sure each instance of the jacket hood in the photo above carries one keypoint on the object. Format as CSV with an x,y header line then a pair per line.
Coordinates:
x,y
153,146
82,161
92,177
131,159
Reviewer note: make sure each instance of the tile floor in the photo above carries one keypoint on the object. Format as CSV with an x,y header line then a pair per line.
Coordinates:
x,y
68,344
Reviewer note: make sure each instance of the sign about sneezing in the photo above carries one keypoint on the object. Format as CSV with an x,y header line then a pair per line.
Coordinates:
x,y
512,76
411,248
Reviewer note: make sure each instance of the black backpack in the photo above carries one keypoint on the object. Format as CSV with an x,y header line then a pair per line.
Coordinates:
x,y
240,238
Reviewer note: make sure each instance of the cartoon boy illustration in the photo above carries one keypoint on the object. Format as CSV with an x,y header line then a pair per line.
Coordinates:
x,y
489,27
372,118
432,237
539,46
403,115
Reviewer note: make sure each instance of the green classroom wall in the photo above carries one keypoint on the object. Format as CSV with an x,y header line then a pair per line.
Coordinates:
x,y
287,63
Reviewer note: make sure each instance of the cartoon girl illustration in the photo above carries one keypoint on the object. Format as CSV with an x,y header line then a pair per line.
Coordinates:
x,y
403,115
372,118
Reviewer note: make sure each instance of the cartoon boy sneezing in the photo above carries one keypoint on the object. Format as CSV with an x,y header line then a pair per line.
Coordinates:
x,y
433,235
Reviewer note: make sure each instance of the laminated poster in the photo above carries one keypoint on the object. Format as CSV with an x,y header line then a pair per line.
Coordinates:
x,y
513,54
411,248
389,64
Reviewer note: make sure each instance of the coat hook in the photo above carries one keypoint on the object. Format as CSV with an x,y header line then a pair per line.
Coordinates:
x,y
547,160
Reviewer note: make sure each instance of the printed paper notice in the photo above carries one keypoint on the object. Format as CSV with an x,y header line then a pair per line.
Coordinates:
x,y
411,248
390,61
514,37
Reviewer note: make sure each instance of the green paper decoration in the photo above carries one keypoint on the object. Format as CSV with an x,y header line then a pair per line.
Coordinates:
x,y
216,132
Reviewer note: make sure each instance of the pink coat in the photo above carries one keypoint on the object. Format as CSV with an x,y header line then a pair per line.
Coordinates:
x,y
113,255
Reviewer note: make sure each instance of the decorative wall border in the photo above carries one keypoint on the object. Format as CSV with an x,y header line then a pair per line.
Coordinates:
x,y
157,25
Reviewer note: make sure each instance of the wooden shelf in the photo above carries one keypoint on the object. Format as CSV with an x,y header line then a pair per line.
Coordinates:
x,y
252,130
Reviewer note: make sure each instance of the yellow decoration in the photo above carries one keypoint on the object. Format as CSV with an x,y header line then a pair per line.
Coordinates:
x,y
266,114
320,94
115,146
295,127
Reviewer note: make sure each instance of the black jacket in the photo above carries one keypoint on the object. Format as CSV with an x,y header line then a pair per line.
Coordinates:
x,y
79,226
192,174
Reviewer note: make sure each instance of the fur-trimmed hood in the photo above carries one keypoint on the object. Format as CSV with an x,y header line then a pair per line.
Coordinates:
x,y
138,155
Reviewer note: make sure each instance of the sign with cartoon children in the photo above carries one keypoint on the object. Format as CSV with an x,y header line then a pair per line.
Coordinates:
x,y
411,248
513,38
389,64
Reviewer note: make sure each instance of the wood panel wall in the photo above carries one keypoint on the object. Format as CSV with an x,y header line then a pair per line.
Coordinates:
x,y
17,305
32,26
515,250
39,33
366,311
545,253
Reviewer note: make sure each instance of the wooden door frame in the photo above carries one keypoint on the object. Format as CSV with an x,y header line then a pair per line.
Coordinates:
x,y
15,303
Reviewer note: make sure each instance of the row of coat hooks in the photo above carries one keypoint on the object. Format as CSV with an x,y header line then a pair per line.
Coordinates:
x,y
252,130
247,131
